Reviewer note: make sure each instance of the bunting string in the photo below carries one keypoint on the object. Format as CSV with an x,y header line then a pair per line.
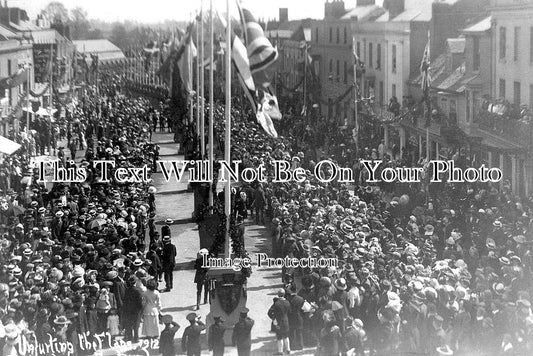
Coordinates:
x,y
340,98
293,89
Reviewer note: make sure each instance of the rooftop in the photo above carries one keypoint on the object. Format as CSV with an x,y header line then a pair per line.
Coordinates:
x,y
482,26
364,13
105,50
48,36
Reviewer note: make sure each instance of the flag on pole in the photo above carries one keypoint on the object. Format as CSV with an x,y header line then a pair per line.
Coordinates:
x,y
261,53
180,54
187,55
264,108
424,68
426,79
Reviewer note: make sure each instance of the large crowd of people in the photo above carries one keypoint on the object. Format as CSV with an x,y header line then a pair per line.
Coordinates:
x,y
430,270
80,259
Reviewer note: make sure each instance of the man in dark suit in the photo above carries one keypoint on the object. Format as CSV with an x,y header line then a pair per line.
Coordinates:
x,y
242,334
295,319
190,341
200,278
279,313
132,306
215,337
165,229
168,259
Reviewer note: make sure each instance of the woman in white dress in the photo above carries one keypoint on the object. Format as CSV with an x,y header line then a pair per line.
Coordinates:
x,y
151,310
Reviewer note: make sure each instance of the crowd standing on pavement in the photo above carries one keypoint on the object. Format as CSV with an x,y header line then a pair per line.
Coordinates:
x,y
81,260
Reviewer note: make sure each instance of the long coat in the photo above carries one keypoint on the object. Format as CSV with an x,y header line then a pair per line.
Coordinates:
x,y
242,336
216,339
132,306
279,311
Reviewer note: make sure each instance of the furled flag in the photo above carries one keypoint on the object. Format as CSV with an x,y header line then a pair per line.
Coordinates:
x,y
94,62
426,79
185,57
261,53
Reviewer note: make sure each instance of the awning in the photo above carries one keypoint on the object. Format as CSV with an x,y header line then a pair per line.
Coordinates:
x,y
7,146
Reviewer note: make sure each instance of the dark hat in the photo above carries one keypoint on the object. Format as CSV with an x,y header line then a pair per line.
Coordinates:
x,y
167,319
244,311
191,316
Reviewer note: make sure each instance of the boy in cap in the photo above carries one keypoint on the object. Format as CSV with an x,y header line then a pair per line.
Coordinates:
x,y
166,340
215,337
190,341
242,334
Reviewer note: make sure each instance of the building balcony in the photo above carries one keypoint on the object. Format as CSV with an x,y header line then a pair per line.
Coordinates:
x,y
519,131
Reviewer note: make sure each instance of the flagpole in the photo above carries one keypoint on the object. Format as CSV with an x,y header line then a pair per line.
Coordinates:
x,y
227,143
28,102
51,80
356,113
305,79
197,77
211,100
191,99
428,102
202,83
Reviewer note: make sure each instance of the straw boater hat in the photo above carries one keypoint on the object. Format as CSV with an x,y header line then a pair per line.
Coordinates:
x,y
340,284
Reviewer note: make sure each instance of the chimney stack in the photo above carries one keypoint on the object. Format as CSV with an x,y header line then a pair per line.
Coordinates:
x,y
366,2
283,14
394,7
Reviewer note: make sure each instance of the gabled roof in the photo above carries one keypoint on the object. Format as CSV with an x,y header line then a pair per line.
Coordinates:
x,y
415,10
413,15
95,46
7,33
364,13
105,50
48,36
482,26
24,26
456,45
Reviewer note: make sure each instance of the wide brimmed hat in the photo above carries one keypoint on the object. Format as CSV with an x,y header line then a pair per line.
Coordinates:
x,y
444,350
340,284
61,320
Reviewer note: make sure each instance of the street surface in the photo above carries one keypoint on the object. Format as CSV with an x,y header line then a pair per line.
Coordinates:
x,y
175,202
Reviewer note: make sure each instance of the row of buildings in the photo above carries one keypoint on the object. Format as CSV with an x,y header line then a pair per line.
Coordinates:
x,y
481,75
34,54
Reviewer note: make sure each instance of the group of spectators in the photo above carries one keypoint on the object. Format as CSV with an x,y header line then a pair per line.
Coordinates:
x,y
435,269
81,259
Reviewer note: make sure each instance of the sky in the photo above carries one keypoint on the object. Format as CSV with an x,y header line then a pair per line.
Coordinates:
x,y
151,11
